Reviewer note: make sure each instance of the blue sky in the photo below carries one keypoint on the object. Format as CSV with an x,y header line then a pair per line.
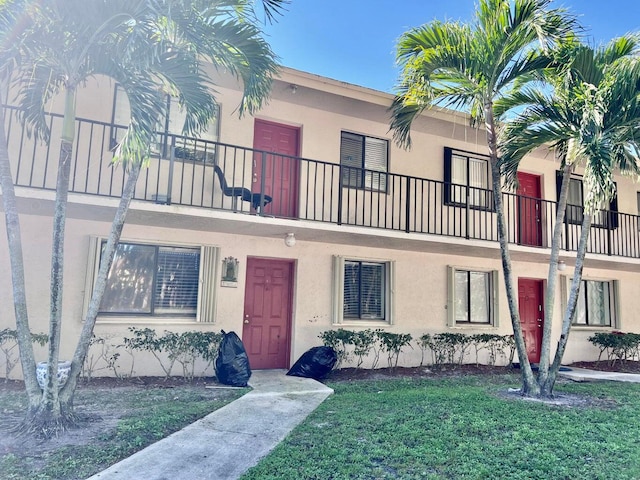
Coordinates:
x,y
354,40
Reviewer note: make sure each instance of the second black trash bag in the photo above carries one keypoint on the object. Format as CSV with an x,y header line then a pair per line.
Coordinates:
x,y
315,363
232,364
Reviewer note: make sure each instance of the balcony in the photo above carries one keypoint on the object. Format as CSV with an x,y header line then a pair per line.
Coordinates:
x,y
191,172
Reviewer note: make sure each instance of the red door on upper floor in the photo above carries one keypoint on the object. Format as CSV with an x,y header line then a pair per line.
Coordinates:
x,y
278,170
529,210
266,332
531,315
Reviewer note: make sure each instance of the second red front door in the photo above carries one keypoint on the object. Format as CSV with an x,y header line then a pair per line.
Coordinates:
x,y
530,307
277,171
529,210
266,332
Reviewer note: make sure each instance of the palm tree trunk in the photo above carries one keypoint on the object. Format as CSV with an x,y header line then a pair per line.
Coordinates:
x,y
49,414
67,392
550,294
529,384
572,302
14,241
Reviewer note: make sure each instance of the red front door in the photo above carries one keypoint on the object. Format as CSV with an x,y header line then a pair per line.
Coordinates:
x,y
266,332
278,170
531,315
529,214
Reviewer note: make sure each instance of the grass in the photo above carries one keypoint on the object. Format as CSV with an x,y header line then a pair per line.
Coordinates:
x,y
461,428
152,413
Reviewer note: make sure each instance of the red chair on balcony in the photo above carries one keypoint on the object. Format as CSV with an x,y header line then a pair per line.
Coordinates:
x,y
241,192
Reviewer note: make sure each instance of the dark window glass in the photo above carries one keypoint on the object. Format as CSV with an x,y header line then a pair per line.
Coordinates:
x,y
149,279
364,161
364,290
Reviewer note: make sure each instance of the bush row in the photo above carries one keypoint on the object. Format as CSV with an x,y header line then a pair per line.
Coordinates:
x,y
168,349
618,346
354,347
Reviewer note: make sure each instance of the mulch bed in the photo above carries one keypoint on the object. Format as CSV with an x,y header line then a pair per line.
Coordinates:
x,y
427,371
345,374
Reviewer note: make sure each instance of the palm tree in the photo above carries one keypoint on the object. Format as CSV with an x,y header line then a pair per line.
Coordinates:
x,y
470,67
148,47
592,116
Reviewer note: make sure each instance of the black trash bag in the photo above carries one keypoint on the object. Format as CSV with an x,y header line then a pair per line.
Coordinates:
x,y
315,363
232,364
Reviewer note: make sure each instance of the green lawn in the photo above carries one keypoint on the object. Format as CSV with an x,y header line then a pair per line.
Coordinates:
x,y
461,428
146,415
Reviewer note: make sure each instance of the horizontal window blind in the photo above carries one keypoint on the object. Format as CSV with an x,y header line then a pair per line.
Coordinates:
x,y
151,279
364,161
351,155
364,290
177,280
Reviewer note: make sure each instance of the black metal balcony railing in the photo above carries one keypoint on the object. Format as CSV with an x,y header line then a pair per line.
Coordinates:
x,y
181,172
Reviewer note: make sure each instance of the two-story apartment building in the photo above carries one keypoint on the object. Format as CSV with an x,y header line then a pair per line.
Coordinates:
x,y
307,217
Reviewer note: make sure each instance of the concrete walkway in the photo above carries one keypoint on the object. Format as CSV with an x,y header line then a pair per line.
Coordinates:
x,y
584,375
226,443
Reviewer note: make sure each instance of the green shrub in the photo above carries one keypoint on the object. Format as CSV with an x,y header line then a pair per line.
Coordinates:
x,y
364,342
618,345
339,340
392,344
184,348
496,345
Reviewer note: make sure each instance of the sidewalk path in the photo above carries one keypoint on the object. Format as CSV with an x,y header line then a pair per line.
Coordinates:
x,y
226,443
585,375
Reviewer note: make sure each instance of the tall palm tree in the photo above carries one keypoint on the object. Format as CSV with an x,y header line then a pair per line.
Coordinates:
x,y
470,67
592,116
52,48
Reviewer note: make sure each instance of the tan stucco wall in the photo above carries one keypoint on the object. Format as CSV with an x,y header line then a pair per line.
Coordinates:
x,y
420,295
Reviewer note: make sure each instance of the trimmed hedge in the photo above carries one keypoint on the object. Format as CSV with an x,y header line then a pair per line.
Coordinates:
x,y
354,346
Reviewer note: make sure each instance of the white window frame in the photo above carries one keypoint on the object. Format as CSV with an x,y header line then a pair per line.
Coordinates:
x,y
614,302
187,149
370,171
493,297
207,284
338,292
467,179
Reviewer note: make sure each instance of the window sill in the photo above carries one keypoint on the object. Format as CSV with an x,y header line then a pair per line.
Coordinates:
x,y
594,328
479,326
362,323
133,321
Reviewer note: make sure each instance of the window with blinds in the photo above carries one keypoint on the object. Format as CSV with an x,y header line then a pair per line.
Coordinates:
x,y
169,127
364,161
467,180
364,290
152,280
605,217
